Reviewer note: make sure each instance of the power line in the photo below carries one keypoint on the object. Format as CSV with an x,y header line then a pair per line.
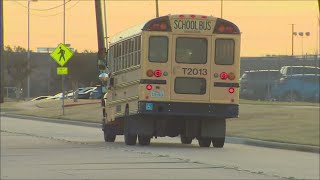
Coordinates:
x,y
48,9
51,15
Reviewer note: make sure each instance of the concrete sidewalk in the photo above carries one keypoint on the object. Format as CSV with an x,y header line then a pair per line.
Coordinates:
x,y
233,140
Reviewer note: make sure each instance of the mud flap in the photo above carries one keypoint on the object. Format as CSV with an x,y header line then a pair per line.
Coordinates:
x,y
141,126
213,128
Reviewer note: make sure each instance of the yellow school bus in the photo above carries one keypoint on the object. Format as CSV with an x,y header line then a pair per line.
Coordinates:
x,y
176,75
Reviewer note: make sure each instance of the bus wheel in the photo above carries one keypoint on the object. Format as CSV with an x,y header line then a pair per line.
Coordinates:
x,y
204,142
218,142
109,137
129,139
144,140
185,140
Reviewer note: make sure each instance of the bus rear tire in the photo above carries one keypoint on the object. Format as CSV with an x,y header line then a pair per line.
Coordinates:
x,y
218,142
144,140
204,142
185,140
109,137
130,139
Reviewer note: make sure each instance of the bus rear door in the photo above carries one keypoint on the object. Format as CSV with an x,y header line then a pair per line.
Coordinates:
x,y
190,79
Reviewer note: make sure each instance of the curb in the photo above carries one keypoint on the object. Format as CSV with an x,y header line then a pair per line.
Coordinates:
x,y
229,139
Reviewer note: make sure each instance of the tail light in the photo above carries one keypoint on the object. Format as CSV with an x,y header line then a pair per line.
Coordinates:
x,y
157,73
231,76
149,73
149,87
231,90
224,75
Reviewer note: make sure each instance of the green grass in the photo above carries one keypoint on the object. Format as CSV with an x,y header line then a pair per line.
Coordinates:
x,y
298,125
245,101
258,120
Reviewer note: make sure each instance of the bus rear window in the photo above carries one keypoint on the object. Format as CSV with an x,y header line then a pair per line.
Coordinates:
x,y
158,49
191,50
224,54
184,85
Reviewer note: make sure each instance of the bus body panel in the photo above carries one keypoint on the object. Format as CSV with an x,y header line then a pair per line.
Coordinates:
x,y
220,91
160,85
190,72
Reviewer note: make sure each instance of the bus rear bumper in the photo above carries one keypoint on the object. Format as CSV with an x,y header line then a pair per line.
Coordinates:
x,y
188,109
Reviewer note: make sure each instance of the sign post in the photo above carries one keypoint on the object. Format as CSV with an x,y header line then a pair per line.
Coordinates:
x,y
62,54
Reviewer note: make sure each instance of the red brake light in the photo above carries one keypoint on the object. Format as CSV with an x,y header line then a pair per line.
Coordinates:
x,y
192,16
231,90
224,75
149,73
203,16
149,87
157,73
181,16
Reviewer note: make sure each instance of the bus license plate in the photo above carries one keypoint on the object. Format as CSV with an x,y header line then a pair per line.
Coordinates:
x,y
157,94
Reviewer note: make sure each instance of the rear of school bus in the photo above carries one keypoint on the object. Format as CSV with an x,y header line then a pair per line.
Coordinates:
x,y
190,80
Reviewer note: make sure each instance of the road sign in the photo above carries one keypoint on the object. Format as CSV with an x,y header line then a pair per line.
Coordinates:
x,y
62,54
62,70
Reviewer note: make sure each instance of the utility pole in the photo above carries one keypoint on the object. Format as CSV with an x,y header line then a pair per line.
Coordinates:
x,y
1,53
64,42
102,63
157,9
292,38
100,36
105,23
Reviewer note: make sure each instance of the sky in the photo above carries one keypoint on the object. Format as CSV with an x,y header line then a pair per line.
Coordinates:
x,y
265,25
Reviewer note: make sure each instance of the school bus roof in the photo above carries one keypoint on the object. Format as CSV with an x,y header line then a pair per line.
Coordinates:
x,y
136,30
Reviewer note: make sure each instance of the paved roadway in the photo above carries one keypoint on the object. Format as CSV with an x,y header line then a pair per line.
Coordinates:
x,y
44,150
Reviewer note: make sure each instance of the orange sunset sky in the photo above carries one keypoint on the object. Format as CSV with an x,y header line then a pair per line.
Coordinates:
x,y
265,25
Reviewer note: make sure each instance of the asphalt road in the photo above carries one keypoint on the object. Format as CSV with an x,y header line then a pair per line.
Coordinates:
x,y
44,150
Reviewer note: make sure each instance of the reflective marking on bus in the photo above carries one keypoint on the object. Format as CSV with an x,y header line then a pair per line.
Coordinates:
x,y
123,100
152,81
223,84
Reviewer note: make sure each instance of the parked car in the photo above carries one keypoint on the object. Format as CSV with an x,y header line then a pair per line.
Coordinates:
x,y
40,98
297,87
85,92
96,94
257,84
72,93
290,70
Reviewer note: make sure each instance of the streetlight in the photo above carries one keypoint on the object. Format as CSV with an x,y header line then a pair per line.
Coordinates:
x,y
28,55
302,34
157,9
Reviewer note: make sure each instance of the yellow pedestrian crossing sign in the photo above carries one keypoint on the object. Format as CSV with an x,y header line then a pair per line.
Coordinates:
x,y
62,70
62,54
